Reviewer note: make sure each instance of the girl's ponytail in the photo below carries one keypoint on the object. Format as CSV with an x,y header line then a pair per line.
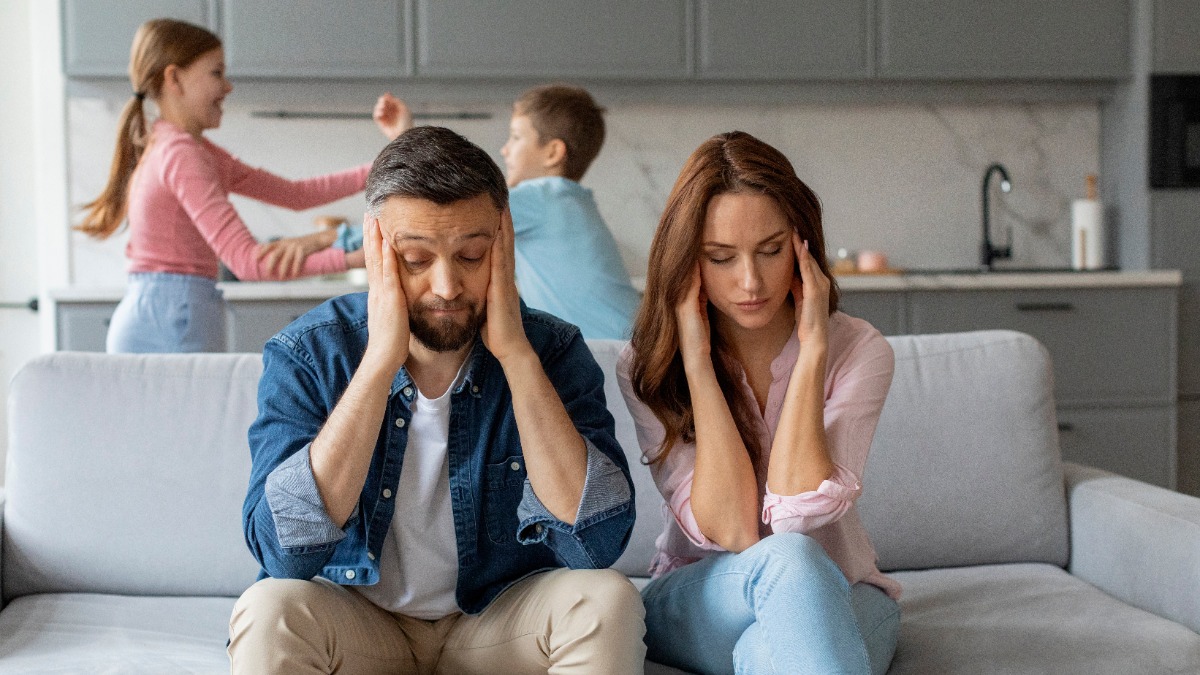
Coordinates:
x,y
158,43
106,213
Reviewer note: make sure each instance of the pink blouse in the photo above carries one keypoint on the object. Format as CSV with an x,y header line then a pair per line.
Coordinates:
x,y
857,377
181,220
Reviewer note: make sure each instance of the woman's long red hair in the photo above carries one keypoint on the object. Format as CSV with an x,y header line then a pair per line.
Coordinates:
x,y
727,163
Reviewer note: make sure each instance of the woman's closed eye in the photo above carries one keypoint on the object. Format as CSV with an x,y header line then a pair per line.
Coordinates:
x,y
717,260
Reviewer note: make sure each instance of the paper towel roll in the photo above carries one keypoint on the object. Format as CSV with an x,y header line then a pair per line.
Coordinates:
x,y
1087,234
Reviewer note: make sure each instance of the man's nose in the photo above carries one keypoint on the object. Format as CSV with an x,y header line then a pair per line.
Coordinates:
x,y
447,283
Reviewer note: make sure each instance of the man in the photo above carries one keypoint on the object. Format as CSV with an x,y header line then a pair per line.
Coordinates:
x,y
436,486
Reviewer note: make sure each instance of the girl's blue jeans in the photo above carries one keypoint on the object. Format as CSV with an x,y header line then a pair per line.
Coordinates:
x,y
781,606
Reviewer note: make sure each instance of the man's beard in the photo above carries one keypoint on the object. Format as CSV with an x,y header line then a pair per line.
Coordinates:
x,y
445,334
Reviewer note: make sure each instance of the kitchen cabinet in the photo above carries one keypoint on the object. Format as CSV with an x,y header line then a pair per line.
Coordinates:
x,y
1176,25
1004,39
783,39
553,38
1114,352
97,33
82,326
315,38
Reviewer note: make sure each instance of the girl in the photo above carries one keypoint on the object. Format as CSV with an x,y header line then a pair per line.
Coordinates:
x,y
174,186
755,402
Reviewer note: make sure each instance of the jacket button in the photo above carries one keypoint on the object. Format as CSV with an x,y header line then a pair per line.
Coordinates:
x,y
370,556
538,528
387,494
400,422
349,574
474,389
515,466
408,391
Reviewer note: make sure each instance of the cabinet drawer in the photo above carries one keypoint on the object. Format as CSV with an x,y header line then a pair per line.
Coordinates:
x,y
1134,442
885,311
83,327
1108,345
253,322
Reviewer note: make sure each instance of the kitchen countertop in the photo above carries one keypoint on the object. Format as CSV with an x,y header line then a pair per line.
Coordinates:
x,y
917,281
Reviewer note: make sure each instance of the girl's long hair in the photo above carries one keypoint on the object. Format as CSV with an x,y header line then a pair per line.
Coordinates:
x,y
734,162
158,43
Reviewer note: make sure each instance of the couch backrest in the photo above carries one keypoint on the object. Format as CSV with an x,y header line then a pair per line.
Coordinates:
x,y
126,474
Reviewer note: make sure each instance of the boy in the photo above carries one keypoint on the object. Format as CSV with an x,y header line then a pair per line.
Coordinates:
x,y
567,261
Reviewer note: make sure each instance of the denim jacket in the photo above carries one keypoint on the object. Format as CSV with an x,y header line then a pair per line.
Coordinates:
x,y
503,532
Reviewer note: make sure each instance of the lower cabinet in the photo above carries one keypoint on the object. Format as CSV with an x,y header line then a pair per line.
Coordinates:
x,y
1134,442
882,309
83,326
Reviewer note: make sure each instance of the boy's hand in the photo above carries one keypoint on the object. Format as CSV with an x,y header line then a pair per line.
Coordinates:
x,y
387,307
392,116
503,332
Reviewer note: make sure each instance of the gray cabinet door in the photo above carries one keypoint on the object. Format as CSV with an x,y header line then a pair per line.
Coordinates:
x,y
1004,39
1176,27
82,326
315,38
883,310
97,34
1134,442
252,322
1109,346
783,39
553,38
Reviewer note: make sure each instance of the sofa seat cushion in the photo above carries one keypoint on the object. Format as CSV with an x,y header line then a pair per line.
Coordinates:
x,y
1030,618
94,633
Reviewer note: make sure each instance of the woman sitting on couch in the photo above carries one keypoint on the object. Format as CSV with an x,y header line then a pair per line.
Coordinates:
x,y
755,402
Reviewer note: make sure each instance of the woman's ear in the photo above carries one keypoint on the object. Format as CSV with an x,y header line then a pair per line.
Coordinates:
x,y
171,79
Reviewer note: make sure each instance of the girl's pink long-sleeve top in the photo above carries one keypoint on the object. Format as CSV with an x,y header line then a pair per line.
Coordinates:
x,y
857,378
181,220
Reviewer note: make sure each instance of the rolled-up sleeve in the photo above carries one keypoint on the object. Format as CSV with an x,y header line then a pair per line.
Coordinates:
x,y
296,506
807,511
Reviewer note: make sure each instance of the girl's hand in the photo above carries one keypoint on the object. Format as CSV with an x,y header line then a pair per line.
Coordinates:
x,y
392,116
811,294
284,258
691,315
503,331
387,306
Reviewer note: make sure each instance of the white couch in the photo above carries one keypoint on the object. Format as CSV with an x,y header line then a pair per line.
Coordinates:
x,y
122,549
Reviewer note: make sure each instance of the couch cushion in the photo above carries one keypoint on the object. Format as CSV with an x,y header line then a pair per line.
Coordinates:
x,y
1030,618
965,467
87,633
126,474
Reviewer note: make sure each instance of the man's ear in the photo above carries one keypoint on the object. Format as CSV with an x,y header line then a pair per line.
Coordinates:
x,y
555,156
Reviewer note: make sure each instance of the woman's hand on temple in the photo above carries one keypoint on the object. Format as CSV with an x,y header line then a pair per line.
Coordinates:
x,y
811,294
392,116
691,316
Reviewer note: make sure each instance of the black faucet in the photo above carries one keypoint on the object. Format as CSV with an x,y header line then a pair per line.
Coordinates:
x,y
988,252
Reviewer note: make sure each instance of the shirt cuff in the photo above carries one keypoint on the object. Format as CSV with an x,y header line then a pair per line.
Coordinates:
x,y
296,505
605,488
808,511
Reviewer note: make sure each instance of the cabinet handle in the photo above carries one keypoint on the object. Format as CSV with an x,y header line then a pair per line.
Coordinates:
x,y
1045,307
1066,426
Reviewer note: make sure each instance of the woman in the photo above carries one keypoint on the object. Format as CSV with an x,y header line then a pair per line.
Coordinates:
x,y
174,186
755,402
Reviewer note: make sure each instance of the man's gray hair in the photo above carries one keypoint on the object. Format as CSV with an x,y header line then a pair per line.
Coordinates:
x,y
435,164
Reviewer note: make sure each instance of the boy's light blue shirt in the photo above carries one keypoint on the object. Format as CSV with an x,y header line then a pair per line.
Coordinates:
x,y
567,261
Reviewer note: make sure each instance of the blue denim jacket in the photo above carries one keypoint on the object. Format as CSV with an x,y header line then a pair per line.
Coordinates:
x,y
502,530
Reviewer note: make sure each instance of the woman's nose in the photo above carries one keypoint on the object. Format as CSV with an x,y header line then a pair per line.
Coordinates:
x,y
750,279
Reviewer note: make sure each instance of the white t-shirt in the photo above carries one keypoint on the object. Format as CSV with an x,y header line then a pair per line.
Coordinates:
x,y
418,566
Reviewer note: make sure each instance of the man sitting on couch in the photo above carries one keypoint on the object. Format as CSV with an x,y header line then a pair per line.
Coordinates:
x,y
428,456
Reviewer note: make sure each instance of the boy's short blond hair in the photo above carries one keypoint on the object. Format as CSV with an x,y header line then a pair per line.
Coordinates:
x,y
569,114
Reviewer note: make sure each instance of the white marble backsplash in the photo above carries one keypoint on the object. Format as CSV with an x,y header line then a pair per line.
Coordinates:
x,y
899,178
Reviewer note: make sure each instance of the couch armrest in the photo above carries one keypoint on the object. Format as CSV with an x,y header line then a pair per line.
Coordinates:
x,y
1137,542
3,501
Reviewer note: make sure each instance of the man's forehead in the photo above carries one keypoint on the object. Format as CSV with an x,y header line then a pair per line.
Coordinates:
x,y
410,219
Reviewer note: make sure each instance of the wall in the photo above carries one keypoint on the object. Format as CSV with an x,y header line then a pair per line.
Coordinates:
x,y
902,178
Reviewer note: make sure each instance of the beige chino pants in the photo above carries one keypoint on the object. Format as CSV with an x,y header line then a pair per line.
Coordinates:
x,y
562,621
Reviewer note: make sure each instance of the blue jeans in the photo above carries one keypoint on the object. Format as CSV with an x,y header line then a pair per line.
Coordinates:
x,y
780,606
163,312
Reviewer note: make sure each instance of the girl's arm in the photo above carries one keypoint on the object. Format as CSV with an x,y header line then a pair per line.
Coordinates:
x,y
724,495
297,195
800,459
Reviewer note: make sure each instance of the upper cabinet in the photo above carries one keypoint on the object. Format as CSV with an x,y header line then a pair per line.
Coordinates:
x,y
1004,39
1176,25
315,38
628,39
783,39
97,34
632,40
